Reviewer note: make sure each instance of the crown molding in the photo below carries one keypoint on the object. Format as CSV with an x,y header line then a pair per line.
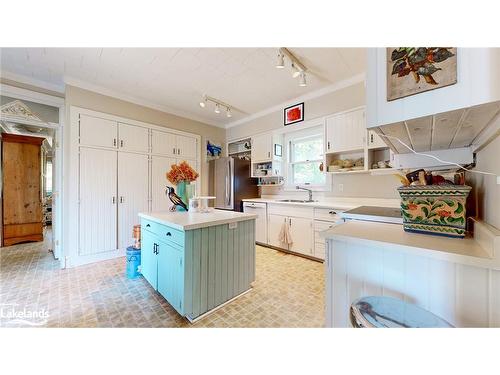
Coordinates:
x,y
58,90
71,81
309,96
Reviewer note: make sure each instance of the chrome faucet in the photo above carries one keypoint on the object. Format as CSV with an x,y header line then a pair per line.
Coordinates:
x,y
308,190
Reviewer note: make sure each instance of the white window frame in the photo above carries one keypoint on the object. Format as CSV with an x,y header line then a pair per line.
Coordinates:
x,y
296,135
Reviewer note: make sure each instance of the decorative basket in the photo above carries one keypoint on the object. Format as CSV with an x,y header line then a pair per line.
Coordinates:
x,y
434,209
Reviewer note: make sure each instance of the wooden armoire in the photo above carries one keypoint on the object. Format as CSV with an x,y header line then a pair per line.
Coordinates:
x,y
21,184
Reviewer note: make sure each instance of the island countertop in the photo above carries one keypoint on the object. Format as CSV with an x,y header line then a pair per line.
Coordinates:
x,y
195,220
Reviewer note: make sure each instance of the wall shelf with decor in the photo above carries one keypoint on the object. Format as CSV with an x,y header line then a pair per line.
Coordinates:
x,y
241,149
267,169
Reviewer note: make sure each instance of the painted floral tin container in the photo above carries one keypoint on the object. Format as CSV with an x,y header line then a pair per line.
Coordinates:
x,y
434,209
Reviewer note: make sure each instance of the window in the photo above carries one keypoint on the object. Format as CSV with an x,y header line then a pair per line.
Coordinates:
x,y
305,154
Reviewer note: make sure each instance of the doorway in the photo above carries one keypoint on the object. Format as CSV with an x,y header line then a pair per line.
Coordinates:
x,y
36,115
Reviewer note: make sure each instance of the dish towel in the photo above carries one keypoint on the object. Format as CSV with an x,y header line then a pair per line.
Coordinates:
x,y
285,236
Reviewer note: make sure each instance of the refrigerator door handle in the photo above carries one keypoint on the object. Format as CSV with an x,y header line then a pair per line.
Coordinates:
x,y
228,183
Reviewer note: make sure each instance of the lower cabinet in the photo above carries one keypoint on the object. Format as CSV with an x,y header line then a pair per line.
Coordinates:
x,y
300,231
162,265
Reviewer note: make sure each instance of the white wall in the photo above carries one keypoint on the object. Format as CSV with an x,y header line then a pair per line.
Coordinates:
x,y
360,185
486,192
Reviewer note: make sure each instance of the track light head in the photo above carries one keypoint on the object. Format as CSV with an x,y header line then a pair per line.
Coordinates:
x,y
217,108
302,79
202,103
296,72
228,113
280,63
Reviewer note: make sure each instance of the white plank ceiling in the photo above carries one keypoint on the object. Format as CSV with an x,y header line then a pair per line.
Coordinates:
x,y
245,78
454,129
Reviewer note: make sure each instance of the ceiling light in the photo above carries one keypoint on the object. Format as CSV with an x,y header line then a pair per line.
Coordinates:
x,y
302,80
228,113
217,108
280,64
296,72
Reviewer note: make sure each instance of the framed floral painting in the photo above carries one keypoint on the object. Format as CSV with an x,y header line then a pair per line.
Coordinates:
x,y
412,70
293,114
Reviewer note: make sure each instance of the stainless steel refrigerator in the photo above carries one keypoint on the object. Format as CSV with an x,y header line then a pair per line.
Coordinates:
x,y
230,182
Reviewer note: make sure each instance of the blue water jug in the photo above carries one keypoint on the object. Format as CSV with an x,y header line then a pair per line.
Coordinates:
x,y
133,262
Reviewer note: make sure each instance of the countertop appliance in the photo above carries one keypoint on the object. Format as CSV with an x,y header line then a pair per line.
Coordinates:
x,y
260,209
374,213
230,182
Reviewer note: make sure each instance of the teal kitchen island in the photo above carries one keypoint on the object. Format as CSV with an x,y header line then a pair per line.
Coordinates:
x,y
198,261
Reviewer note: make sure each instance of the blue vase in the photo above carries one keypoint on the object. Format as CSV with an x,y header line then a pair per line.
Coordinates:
x,y
182,193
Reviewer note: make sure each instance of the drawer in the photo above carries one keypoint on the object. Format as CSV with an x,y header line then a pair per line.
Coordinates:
x,y
328,214
255,204
290,210
163,232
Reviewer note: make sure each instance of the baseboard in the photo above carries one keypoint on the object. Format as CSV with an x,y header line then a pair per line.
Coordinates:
x,y
310,257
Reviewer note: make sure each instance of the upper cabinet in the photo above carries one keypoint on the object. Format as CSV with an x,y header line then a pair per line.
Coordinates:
x,y
95,131
133,138
346,131
170,144
267,147
449,117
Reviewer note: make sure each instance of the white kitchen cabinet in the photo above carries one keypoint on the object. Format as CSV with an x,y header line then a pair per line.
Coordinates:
x,y
262,147
274,224
95,131
160,165
186,147
133,194
97,201
163,143
178,146
133,138
374,140
346,131
302,235
259,209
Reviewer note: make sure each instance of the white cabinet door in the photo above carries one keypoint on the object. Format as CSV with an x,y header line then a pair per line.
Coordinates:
x,y
186,147
302,235
133,138
133,188
163,143
99,132
346,131
160,165
261,147
374,141
97,232
274,224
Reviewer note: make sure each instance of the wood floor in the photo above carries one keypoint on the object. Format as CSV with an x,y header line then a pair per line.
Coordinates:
x,y
288,292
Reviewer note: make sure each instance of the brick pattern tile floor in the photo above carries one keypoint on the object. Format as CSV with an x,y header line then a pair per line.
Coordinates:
x,y
288,292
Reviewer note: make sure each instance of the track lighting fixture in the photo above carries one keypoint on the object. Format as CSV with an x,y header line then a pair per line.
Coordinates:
x,y
302,79
219,105
298,69
280,64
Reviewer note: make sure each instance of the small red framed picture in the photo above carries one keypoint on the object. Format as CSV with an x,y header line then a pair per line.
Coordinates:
x,y
293,114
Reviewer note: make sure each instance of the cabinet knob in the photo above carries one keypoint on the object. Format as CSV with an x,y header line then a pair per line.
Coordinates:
x,y
169,234
332,213
148,225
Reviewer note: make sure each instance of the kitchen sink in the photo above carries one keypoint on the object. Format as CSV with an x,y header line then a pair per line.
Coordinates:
x,y
295,201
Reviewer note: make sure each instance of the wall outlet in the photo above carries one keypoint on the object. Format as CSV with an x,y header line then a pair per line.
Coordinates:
x,y
341,187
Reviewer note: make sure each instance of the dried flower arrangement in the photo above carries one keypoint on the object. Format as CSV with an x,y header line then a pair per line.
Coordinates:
x,y
181,172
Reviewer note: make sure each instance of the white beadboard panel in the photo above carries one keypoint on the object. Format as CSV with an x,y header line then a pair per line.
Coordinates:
x,y
160,165
472,296
420,132
463,295
416,280
186,147
445,127
476,120
442,289
133,194
97,194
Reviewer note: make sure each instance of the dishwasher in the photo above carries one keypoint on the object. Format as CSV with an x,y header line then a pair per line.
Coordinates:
x,y
259,209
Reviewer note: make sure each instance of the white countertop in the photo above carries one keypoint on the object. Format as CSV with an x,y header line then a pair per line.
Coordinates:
x,y
393,237
196,220
338,202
